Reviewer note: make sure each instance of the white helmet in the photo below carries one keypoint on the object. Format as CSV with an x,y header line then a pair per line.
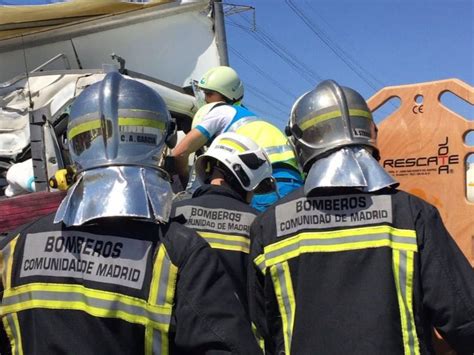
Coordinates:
x,y
241,156
223,80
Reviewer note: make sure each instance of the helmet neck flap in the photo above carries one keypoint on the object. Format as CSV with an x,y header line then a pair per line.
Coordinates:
x,y
351,166
117,191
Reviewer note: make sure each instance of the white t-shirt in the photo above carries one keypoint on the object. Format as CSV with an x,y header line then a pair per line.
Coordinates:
x,y
216,121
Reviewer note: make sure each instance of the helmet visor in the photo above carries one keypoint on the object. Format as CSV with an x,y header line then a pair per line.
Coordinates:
x,y
332,129
198,94
266,186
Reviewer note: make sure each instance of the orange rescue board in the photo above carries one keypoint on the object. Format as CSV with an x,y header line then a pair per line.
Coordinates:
x,y
422,145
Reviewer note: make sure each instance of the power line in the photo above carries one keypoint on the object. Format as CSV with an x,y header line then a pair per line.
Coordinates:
x,y
382,84
350,62
261,72
263,96
290,60
284,50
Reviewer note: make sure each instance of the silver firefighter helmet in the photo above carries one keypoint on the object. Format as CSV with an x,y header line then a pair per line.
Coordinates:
x,y
329,117
117,121
117,133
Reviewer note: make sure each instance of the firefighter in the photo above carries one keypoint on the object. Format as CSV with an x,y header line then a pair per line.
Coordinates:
x,y
110,272
349,264
231,169
220,85
282,156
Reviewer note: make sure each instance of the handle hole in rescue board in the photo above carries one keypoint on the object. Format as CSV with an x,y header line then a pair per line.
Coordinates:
x,y
457,105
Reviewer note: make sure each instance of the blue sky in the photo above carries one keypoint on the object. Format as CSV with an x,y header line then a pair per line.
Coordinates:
x,y
362,44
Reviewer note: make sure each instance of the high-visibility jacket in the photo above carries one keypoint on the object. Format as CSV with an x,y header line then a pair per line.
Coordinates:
x,y
117,286
223,219
281,154
358,273
269,137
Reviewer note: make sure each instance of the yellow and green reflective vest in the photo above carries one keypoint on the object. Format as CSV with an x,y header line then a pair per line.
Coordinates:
x,y
269,137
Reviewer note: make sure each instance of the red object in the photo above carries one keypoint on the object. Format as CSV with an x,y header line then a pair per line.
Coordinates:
x,y
18,210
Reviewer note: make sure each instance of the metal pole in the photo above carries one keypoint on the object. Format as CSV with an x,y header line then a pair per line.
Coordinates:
x,y
221,38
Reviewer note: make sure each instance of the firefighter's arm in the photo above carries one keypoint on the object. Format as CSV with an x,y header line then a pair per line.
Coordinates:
x,y
256,282
190,143
263,310
209,317
4,341
447,282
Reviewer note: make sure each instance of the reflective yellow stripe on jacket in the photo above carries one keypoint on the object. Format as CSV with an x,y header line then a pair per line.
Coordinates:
x,y
162,290
10,321
402,241
226,241
154,314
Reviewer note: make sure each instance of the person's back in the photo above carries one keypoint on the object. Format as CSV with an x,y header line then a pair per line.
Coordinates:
x,y
373,270
348,263
220,216
219,209
112,288
109,272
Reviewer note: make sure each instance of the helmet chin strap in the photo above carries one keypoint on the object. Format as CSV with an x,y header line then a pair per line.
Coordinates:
x,y
351,166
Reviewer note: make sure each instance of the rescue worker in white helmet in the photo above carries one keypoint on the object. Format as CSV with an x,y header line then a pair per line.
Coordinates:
x,y
282,156
110,272
229,172
220,85
349,264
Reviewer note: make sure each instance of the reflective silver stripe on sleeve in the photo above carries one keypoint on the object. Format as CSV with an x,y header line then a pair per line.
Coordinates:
x,y
71,297
164,279
157,344
277,149
314,241
242,122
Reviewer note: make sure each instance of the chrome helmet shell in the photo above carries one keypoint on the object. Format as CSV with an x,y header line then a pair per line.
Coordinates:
x,y
329,117
118,122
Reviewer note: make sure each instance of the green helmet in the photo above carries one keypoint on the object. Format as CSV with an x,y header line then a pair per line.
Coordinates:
x,y
223,80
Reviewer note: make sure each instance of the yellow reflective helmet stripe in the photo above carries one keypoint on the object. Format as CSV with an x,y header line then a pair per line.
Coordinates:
x,y
123,121
403,268
232,144
226,241
284,293
310,122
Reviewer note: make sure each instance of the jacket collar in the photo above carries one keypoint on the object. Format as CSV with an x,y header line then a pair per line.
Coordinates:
x,y
209,189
